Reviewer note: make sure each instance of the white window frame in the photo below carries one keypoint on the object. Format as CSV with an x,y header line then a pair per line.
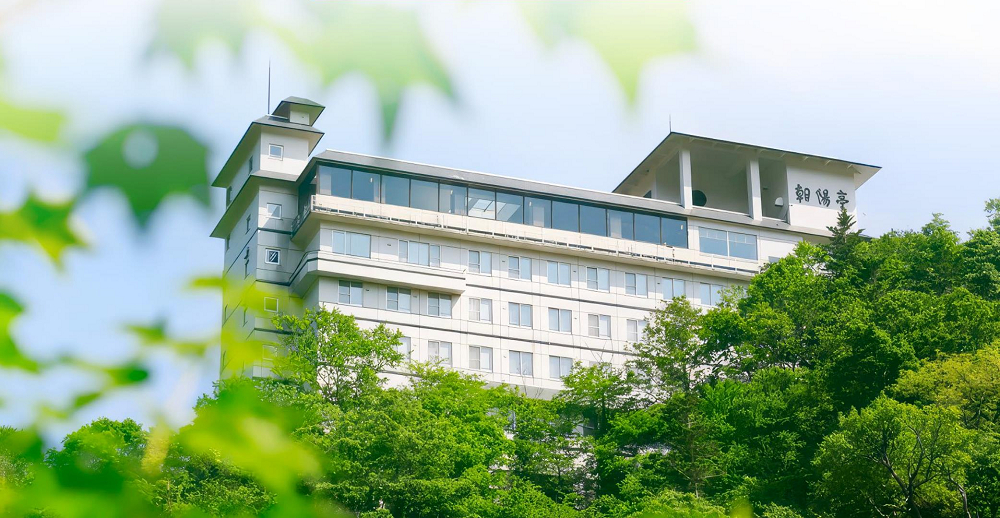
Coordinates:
x,y
477,355
395,296
558,317
351,286
596,283
522,271
434,301
599,326
434,350
267,256
557,273
405,347
432,253
520,359
480,310
516,312
635,329
281,151
672,285
560,367
275,299
637,284
714,294
481,259
273,210
346,240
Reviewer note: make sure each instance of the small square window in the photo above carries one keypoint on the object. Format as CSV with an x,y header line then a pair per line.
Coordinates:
x,y
275,151
271,304
274,211
272,256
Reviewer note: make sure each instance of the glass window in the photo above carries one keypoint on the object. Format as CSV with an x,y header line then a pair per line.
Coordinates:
x,y
557,273
519,314
424,195
396,191
274,151
270,304
620,224
636,284
350,293
713,241
598,279
566,216
482,204
593,220
404,347
439,305
521,363
274,210
635,329
481,358
435,255
350,243
272,256
481,262
480,310
519,268
674,232
537,212
647,228
398,299
599,325
560,320
743,245
335,181
510,207
453,199
560,367
365,186
673,288
439,352
711,294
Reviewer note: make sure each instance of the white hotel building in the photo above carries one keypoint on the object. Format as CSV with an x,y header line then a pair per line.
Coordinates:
x,y
510,279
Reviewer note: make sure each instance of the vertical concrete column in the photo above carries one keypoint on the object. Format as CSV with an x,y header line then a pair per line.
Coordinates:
x,y
686,200
753,188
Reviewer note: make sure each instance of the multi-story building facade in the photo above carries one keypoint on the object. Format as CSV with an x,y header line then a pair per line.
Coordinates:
x,y
511,279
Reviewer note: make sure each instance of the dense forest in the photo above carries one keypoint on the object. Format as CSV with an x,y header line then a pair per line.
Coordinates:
x,y
857,378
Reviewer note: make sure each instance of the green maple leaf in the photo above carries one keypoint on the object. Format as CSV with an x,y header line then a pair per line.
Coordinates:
x,y
30,123
10,355
382,42
626,35
41,223
184,26
149,163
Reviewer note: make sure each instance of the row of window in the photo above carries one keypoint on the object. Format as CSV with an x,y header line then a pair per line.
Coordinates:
x,y
496,205
481,358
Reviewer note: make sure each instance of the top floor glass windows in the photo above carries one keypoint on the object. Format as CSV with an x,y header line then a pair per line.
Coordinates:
x,y
511,207
732,244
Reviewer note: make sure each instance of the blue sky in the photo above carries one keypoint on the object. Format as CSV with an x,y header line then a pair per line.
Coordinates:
x,y
913,89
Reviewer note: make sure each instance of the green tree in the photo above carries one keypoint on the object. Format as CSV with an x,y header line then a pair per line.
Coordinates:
x,y
895,459
327,352
670,357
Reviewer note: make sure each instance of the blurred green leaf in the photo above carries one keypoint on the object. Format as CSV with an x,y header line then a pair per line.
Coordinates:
x,y
149,163
42,223
183,26
626,35
384,43
31,123
10,355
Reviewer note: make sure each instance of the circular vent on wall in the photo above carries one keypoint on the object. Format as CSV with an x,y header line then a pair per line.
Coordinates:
x,y
698,198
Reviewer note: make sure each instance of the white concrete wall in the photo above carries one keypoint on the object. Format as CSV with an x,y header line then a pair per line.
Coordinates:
x,y
813,176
